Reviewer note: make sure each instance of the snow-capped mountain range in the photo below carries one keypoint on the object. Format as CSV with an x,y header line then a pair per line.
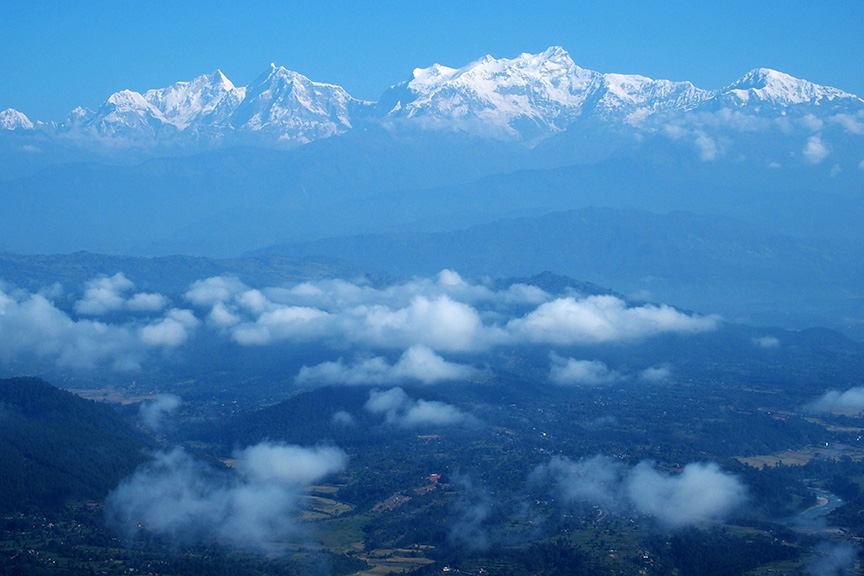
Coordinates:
x,y
526,98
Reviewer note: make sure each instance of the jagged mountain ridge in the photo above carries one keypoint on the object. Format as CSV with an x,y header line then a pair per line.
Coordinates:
x,y
13,120
526,98
280,104
546,90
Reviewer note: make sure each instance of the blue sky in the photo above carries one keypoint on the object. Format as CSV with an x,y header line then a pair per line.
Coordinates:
x,y
55,55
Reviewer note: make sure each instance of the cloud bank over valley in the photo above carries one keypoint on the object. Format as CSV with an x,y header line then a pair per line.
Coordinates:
x,y
424,330
252,505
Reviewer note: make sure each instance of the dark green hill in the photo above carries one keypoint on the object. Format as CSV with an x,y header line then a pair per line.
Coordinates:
x,y
55,446
305,418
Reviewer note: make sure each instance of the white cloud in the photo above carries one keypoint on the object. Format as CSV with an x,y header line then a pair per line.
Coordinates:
x,y
851,123
421,363
784,124
699,493
851,400
401,410
206,293
655,374
572,372
674,131
425,316
725,118
473,509
767,342
342,418
146,302
291,465
815,151
171,331
440,323
708,149
833,559
598,319
367,371
434,413
33,327
153,412
811,122
417,363
221,317
444,314
252,505
290,322
254,301
450,278
387,401
596,480
525,294
104,295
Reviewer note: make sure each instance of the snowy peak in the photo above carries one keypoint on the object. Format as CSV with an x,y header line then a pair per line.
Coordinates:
x,y
173,108
526,98
280,103
186,102
431,76
533,95
634,100
11,119
766,85
126,117
127,100
537,72
293,107
523,97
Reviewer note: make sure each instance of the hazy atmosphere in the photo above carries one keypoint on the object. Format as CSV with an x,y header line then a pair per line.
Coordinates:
x,y
426,287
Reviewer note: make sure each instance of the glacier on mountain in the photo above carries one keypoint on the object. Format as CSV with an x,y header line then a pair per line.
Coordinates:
x,y
779,89
548,90
524,99
289,106
11,119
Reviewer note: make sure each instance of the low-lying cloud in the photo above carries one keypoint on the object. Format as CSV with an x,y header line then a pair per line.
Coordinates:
x,y
833,559
445,314
171,331
815,151
253,505
110,294
575,372
401,410
572,372
655,374
698,493
598,319
418,363
767,342
470,528
152,413
111,324
31,326
851,400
